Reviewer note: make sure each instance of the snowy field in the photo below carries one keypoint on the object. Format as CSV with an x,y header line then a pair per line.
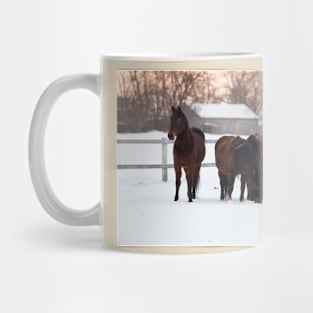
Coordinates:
x,y
148,214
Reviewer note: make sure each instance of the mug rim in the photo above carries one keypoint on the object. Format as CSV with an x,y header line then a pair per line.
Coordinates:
x,y
179,57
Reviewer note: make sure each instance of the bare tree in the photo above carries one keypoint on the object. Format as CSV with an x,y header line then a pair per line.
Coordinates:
x,y
181,85
145,97
206,88
123,88
244,87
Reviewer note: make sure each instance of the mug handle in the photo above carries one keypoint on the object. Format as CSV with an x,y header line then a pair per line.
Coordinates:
x,y
37,166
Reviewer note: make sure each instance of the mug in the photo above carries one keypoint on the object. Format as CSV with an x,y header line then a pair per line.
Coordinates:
x,y
163,118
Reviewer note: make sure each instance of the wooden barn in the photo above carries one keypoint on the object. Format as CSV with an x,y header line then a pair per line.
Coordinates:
x,y
224,118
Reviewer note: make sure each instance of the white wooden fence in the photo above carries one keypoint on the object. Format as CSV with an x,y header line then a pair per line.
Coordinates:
x,y
164,166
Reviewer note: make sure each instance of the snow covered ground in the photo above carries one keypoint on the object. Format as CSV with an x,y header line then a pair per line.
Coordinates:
x,y
147,214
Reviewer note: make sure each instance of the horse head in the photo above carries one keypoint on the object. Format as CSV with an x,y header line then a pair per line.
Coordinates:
x,y
178,122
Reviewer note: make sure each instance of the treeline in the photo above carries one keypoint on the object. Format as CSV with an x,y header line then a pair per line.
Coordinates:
x,y
145,97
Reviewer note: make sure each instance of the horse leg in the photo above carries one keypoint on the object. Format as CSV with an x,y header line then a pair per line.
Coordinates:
x,y
193,191
251,193
222,184
178,176
195,181
226,189
229,186
243,181
189,183
189,172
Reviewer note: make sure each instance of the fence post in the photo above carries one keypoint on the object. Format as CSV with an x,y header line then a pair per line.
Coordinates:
x,y
164,159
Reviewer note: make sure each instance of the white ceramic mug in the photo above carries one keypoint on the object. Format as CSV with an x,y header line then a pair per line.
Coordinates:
x,y
146,102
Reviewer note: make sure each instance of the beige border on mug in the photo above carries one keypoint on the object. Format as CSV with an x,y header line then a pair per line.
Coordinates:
x,y
109,68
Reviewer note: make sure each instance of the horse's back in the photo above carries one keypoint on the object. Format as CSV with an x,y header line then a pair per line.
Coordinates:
x,y
223,154
222,143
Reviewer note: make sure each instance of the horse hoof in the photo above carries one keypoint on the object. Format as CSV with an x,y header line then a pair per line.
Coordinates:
x,y
190,200
176,198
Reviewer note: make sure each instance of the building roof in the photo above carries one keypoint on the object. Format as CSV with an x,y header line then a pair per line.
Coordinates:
x,y
223,110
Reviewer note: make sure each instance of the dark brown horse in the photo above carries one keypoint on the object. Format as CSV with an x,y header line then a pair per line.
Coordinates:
x,y
188,151
256,143
234,156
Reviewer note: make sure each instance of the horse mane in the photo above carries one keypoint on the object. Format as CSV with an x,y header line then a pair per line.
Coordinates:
x,y
198,131
244,153
184,142
256,143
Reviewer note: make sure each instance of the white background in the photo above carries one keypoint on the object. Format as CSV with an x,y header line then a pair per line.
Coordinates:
x,y
49,267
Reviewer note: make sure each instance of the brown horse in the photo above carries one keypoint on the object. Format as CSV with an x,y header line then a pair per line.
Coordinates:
x,y
188,151
234,156
256,142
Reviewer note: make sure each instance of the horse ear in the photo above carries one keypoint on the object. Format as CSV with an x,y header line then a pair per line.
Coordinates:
x,y
179,110
173,109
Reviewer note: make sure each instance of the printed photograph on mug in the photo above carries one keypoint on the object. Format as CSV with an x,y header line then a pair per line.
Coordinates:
x,y
189,157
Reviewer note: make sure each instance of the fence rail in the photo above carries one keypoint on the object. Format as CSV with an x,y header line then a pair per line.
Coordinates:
x,y
164,166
